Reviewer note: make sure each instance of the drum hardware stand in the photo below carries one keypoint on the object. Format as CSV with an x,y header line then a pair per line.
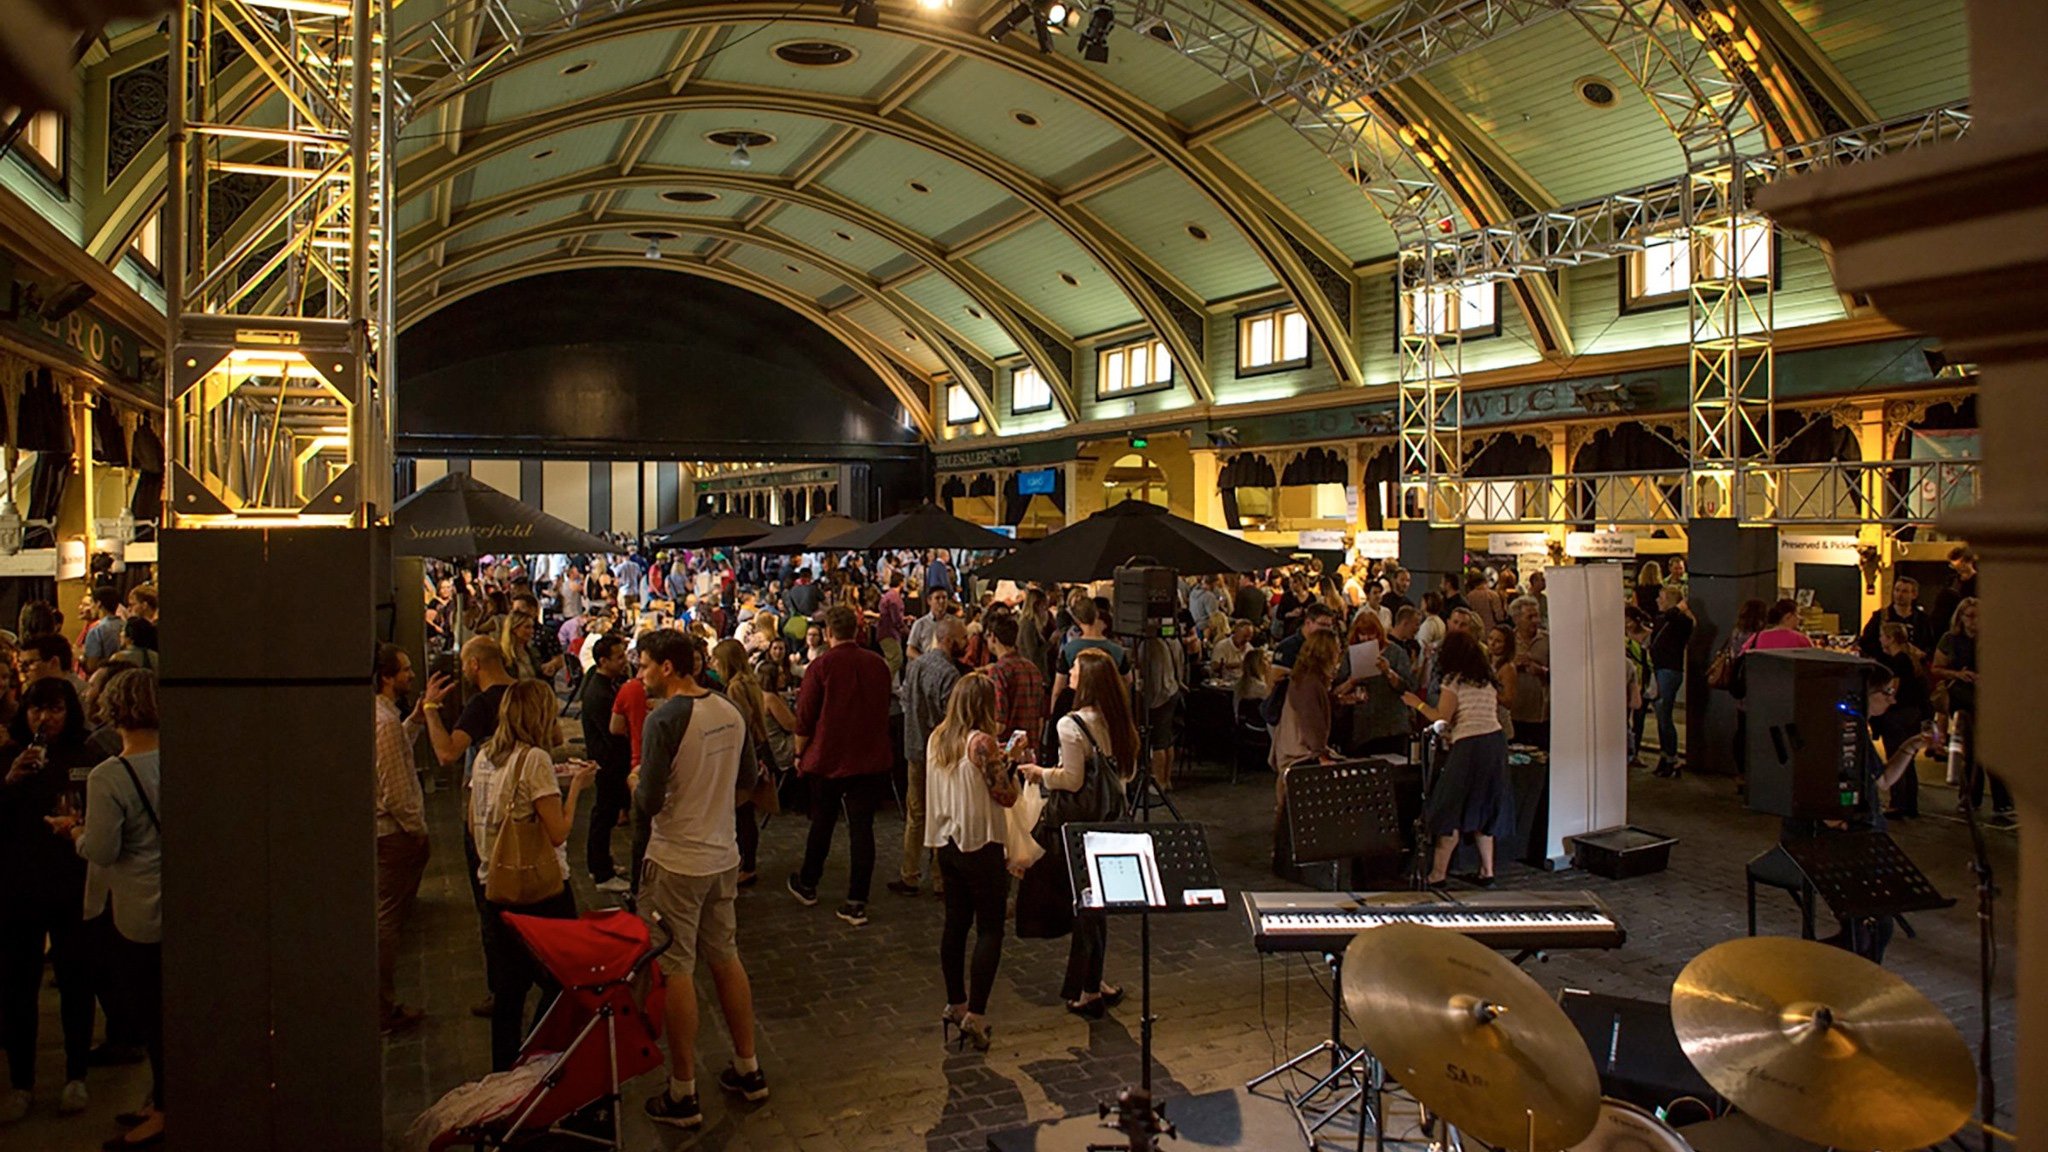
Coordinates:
x,y
1330,809
1987,948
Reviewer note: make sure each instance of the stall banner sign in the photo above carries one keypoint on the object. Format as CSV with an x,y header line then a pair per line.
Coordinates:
x,y
1039,483
1600,545
1321,540
1384,544
1837,551
1518,543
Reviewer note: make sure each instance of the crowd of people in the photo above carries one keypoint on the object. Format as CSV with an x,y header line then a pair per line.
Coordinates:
x,y
80,849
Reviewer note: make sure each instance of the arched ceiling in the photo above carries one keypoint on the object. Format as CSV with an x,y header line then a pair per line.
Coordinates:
x,y
949,203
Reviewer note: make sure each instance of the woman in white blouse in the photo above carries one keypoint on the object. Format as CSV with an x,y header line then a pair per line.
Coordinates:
x,y
968,782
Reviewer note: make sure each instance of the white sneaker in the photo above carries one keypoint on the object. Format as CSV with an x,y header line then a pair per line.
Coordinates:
x,y
13,1105
74,1099
615,885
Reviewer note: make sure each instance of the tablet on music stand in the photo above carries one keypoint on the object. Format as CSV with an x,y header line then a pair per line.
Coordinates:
x,y
1123,880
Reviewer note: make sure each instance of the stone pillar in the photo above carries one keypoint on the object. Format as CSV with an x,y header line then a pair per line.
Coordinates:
x,y
1953,241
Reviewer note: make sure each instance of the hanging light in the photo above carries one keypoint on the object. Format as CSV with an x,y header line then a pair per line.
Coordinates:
x,y
741,158
654,249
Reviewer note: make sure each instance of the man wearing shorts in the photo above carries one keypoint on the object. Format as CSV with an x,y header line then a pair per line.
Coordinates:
x,y
696,765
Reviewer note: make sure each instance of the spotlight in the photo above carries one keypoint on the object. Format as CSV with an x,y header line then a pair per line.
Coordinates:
x,y
1095,41
1058,14
934,5
741,158
865,13
1011,21
653,250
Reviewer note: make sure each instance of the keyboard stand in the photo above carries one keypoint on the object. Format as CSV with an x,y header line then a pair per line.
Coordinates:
x,y
1338,812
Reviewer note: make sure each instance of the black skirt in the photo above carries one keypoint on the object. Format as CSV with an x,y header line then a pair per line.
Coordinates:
x,y
1471,793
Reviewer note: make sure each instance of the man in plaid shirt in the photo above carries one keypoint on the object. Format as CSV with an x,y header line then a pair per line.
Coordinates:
x,y
1020,685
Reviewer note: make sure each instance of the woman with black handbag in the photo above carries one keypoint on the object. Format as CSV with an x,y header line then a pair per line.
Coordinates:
x,y
1098,754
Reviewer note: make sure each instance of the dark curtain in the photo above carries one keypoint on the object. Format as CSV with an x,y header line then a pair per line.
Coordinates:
x,y
1315,466
1507,454
1630,447
953,489
1243,470
46,483
109,442
984,485
44,425
1382,473
1814,438
1014,502
146,456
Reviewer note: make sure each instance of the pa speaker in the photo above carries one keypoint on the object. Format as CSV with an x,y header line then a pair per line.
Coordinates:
x,y
1145,600
1806,736
1636,1050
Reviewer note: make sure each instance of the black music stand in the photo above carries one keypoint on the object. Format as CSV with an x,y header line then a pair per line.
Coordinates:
x,y
1180,851
1339,812
1860,876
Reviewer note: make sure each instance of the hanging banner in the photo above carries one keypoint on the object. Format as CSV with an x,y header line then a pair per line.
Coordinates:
x,y
1518,543
1381,545
1321,540
1837,551
1600,545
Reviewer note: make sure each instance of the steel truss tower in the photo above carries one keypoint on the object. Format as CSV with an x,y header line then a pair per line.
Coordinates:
x,y
279,327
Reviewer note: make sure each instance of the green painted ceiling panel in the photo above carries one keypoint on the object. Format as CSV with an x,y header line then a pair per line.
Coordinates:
x,y
525,253
681,142
549,158
482,233
1299,175
648,202
834,237
1157,74
1520,91
636,249
1901,55
887,328
949,303
414,212
802,276
746,55
1154,214
878,172
1029,264
525,89
981,102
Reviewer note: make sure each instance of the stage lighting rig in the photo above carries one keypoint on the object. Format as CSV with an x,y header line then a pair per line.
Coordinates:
x,y
1095,41
865,13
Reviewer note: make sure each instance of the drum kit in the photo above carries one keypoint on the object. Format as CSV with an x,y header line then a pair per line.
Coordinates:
x,y
1815,1043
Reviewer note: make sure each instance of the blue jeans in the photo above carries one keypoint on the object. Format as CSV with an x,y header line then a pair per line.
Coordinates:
x,y
1668,682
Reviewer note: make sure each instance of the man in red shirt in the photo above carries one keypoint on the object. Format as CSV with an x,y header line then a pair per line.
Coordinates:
x,y
629,716
1020,686
842,740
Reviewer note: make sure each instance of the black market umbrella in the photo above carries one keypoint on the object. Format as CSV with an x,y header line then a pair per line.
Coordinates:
x,y
459,516
814,535
1096,547
710,531
926,526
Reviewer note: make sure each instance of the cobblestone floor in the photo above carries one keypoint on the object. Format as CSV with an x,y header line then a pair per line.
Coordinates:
x,y
848,1017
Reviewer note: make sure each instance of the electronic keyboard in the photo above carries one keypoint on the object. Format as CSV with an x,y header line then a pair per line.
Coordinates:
x,y
1511,921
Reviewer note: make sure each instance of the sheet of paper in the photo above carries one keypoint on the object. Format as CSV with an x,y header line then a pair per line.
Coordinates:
x,y
1365,658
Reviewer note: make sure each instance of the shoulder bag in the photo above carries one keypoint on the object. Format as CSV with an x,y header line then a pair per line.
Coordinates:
x,y
1098,799
523,867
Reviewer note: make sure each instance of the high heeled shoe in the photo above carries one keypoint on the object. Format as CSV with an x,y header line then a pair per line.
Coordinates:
x,y
951,1021
977,1033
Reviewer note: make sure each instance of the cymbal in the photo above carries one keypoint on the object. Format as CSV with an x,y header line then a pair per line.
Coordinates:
x,y
1823,1044
1472,1037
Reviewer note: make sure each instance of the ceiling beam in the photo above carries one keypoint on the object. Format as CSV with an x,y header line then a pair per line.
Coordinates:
x,y
824,157
928,67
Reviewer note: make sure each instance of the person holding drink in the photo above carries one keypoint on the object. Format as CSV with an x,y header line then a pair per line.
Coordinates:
x,y
46,762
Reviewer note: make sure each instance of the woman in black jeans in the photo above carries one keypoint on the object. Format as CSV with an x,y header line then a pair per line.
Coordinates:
x,y
45,761
121,840
968,783
1099,723
514,781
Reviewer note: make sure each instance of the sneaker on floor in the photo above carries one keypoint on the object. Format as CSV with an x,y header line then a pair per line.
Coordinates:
x,y
665,1109
13,1105
749,1086
74,1099
484,1007
854,913
901,887
615,885
807,897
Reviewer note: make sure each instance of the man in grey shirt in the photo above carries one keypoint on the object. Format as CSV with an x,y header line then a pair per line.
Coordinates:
x,y
939,606
927,684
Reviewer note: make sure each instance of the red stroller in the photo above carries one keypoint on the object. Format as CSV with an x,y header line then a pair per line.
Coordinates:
x,y
601,1032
